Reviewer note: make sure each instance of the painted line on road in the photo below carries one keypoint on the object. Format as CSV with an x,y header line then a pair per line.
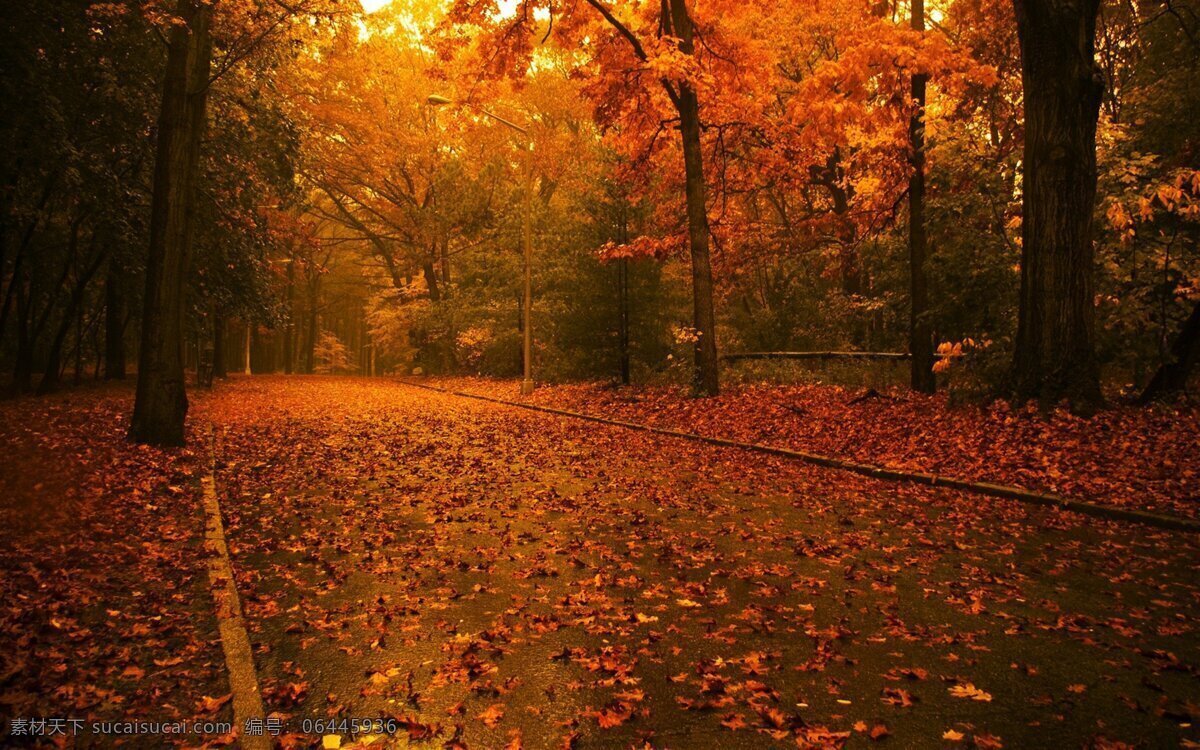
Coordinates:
x,y
235,642
1109,512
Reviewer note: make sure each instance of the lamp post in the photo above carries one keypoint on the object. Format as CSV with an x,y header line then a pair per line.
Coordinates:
x,y
527,238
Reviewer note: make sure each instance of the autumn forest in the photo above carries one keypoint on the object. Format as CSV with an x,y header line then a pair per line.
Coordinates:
x,y
600,373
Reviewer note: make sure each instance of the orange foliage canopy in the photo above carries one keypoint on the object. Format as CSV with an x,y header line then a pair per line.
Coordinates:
x,y
805,106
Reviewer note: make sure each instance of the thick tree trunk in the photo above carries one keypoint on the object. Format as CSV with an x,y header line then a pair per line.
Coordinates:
x,y
920,338
161,404
706,377
1055,354
1171,378
431,281
114,324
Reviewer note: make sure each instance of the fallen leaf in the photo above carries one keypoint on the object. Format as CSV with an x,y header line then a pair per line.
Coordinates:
x,y
492,715
967,690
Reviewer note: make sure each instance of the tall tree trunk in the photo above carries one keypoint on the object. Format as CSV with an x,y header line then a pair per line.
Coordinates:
x,y
247,342
161,404
920,338
289,331
431,281
444,261
706,376
254,349
1172,376
22,381
52,376
114,324
1055,355
676,22
310,332
97,346
78,347
220,356
623,296
623,332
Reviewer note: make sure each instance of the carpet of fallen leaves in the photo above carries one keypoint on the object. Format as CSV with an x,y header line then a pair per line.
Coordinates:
x,y
104,608
1127,456
487,576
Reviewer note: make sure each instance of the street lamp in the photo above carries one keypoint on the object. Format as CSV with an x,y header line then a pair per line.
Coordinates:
x,y
526,231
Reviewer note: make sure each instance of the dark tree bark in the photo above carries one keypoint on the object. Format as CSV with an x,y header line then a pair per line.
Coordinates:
x,y
27,236
1171,378
431,281
52,376
78,347
310,330
706,378
920,337
444,262
220,356
677,22
22,380
831,177
1055,354
289,331
30,325
114,324
161,404
623,331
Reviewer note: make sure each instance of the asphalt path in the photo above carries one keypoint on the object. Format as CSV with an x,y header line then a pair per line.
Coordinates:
x,y
487,575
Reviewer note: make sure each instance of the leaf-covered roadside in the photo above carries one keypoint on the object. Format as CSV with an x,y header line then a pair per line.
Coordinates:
x,y
1143,458
104,608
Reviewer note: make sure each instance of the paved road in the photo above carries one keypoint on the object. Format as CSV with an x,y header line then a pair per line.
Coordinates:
x,y
494,574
